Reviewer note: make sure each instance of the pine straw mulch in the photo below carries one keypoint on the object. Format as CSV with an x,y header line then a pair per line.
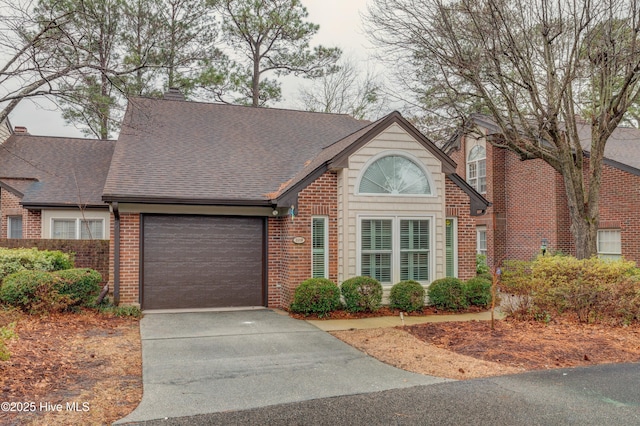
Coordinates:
x,y
87,358
464,350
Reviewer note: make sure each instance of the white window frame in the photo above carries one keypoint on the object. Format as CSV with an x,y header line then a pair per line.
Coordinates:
x,y
454,223
77,228
395,244
610,254
391,153
325,220
475,181
481,229
9,226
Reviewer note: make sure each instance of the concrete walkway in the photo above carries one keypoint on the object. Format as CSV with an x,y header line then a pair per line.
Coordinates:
x,y
380,322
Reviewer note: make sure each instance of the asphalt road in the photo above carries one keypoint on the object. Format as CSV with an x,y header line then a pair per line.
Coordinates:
x,y
601,395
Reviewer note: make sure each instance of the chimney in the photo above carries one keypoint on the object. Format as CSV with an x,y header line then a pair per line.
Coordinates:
x,y
20,130
174,94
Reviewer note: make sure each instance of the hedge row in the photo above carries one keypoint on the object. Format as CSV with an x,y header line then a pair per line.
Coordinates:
x,y
321,296
591,290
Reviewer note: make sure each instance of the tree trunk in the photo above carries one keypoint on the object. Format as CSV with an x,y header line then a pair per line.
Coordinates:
x,y
255,78
583,210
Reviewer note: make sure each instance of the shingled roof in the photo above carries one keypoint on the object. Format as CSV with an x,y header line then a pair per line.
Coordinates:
x,y
622,150
55,172
173,151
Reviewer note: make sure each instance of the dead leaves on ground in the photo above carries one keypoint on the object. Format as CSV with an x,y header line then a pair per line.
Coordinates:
x,y
66,358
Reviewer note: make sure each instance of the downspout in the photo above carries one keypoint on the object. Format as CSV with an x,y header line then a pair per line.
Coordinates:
x,y
116,254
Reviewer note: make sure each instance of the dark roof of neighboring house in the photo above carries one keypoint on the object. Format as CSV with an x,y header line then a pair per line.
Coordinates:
x,y
189,152
622,150
55,172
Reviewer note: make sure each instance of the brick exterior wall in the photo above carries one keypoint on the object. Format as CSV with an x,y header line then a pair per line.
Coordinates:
x,y
458,206
529,204
289,263
92,254
129,258
10,206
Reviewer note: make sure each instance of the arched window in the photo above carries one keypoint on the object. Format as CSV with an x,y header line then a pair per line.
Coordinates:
x,y
394,174
477,168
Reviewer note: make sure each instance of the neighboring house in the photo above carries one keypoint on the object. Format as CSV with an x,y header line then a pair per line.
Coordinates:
x,y
218,205
529,209
51,187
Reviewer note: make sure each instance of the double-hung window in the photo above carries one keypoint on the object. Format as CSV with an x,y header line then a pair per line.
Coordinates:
x,y
376,247
609,244
395,249
72,229
319,247
481,240
14,226
477,168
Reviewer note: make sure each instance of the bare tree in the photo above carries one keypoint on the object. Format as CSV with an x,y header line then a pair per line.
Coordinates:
x,y
533,66
35,53
345,91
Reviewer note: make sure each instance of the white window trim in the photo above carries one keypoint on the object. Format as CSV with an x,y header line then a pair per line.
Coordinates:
x,y
479,229
326,244
395,244
9,225
455,246
78,221
610,255
397,153
476,162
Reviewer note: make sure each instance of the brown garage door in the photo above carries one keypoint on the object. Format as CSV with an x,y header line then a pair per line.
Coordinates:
x,y
202,261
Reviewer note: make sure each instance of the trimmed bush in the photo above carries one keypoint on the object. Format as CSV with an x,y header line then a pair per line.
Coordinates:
x,y
15,260
407,296
448,294
478,292
81,285
316,296
361,294
591,290
34,292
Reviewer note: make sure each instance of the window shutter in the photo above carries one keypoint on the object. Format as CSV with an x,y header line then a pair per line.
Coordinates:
x,y
449,253
319,246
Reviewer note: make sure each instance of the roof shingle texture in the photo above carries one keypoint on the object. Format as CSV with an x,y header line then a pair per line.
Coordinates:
x,y
196,151
65,171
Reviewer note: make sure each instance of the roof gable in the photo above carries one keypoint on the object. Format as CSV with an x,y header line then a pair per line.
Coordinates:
x,y
54,171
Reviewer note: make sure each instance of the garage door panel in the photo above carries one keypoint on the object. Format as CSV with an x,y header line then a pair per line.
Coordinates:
x,y
202,261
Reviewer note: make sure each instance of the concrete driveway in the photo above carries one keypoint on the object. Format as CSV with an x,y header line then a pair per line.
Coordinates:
x,y
209,362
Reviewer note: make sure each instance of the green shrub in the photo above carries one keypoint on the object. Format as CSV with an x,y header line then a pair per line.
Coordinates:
x,y
316,296
34,292
481,264
486,276
6,333
478,292
407,296
448,293
81,285
107,307
15,260
589,289
361,294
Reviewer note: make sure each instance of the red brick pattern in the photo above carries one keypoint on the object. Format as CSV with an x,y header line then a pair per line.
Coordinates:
x,y
31,219
129,257
457,203
290,263
529,204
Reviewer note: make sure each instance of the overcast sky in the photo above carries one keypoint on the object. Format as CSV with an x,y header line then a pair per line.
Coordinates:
x,y
340,25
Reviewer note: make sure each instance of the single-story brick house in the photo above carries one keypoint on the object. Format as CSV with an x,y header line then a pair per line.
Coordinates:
x,y
51,187
529,208
218,205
